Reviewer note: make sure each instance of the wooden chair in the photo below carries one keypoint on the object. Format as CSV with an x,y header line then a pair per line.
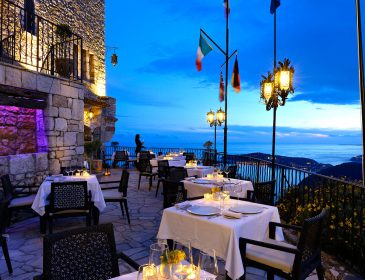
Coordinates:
x,y
86,253
145,170
69,199
17,199
3,223
285,260
118,194
264,193
173,192
162,172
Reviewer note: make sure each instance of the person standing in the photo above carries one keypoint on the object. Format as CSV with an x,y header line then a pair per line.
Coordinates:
x,y
139,143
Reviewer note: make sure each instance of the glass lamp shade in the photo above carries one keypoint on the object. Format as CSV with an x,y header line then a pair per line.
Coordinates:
x,y
210,117
267,90
114,59
221,116
284,82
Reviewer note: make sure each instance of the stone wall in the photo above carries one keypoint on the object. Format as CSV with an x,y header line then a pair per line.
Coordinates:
x,y
63,117
26,169
87,19
17,124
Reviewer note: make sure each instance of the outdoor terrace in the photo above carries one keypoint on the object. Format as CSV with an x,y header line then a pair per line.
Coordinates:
x,y
26,243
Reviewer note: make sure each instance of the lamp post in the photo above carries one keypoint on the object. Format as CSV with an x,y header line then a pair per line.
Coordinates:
x,y
216,120
275,89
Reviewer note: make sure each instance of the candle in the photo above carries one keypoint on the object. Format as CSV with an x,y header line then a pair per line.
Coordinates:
x,y
207,196
210,176
149,272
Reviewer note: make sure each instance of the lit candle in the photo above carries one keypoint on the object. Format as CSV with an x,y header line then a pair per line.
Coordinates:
x,y
210,176
150,272
207,196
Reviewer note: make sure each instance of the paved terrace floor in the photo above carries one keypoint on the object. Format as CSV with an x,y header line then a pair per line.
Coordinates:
x,y
26,243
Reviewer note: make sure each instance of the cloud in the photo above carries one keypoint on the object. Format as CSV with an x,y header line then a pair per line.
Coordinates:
x,y
328,95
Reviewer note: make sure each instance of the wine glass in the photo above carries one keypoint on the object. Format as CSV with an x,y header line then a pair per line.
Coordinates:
x,y
237,188
226,171
208,265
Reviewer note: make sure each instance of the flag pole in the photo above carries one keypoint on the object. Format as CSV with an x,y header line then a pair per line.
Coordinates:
x,y
226,87
274,112
361,83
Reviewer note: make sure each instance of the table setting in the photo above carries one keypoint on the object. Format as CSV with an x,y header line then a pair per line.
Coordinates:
x,y
40,201
219,225
175,264
197,187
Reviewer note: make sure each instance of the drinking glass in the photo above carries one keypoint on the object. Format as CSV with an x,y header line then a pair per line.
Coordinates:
x,y
226,171
237,188
208,264
159,258
147,272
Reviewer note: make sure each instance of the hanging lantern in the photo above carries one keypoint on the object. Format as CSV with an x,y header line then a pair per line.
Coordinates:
x,y
114,59
210,117
267,90
221,116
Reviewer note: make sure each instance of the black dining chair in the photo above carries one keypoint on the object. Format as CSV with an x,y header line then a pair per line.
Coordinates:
x,y
189,156
120,156
119,193
264,193
283,259
145,170
17,199
173,193
163,171
177,173
232,172
69,199
3,222
85,253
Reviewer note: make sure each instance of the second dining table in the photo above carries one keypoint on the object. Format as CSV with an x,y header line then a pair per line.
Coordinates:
x,y
218,232
200,186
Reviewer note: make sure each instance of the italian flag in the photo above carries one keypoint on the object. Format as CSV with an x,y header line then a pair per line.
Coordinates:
x,y
203,49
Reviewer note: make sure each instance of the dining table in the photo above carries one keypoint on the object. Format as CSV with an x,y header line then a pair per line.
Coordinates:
x,y
219,232
41,199
199,186
199,171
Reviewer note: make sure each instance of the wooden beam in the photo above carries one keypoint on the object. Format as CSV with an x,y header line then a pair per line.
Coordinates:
x,y
20,97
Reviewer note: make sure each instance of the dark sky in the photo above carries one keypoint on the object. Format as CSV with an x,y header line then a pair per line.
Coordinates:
x,y
162,96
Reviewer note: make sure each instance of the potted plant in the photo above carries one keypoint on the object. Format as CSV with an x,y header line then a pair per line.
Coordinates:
x,y
91,150
64,64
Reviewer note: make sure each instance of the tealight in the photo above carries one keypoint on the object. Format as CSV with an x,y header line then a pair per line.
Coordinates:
x,y
149,272
208,196
220,176
210,176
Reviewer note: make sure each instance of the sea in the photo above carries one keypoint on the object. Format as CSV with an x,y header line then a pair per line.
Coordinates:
x,y
327,154
323,153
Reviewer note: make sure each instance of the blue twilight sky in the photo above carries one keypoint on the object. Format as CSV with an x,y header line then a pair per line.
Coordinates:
x,y
161,95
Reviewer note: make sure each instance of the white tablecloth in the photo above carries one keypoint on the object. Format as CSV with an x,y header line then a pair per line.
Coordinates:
x,y
219,233
200,171
176,163
44,190
195,189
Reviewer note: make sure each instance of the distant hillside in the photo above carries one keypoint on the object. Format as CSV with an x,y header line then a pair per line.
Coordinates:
x,y
357,159
296,162
350,171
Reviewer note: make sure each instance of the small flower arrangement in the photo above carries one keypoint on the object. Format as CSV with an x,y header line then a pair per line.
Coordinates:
x,y
216,189
173,257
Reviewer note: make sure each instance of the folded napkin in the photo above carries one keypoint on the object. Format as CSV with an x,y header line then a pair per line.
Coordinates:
x,y
189,178
183,206
232,214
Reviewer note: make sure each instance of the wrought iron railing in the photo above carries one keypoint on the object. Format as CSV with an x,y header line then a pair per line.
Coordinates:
x,y
35,43
301,194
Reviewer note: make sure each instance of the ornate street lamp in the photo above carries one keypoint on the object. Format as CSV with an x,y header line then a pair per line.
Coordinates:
x,y
216,120
275,89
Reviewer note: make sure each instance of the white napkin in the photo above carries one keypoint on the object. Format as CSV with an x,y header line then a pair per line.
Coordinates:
x,y
232,214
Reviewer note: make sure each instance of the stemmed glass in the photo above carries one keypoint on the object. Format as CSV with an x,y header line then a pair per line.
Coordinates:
x,y
226,171
208,265
237,188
